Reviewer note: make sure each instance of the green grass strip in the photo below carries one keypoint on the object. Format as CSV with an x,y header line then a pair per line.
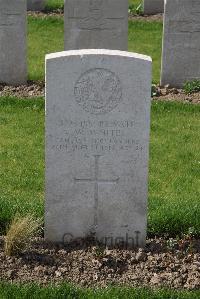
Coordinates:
x,y
65,291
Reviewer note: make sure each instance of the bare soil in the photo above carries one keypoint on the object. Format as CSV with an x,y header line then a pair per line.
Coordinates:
x,y
37,89
60,13
173,94
54,13
163,263
31,89
148,18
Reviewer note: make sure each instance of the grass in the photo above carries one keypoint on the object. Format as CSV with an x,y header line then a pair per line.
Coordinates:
x,y
46,35
174,188
21,159
192,86
13,291
19,234
146,38
54,4
136,7
135,2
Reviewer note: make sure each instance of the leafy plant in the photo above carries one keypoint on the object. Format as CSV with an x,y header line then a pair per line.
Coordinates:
x,y
135,9
192,86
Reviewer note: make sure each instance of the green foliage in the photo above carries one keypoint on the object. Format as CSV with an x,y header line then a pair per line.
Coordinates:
x,y
66,291
52,5
21,159
192,86
174,188
135,2
136,9
45,35
146,38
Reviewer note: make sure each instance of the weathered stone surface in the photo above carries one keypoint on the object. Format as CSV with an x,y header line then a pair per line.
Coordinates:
x,y
181,42
35,5
97,136
153,7
96,24
13,67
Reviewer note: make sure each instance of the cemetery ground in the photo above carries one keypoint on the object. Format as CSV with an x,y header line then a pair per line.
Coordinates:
x,y
173,209
172,256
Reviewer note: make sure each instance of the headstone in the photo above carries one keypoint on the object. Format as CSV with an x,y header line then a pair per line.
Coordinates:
x,y
35,5
153,7
97,138
96,24
181,42
13,67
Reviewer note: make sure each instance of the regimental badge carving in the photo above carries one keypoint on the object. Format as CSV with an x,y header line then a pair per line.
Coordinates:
x,y
98,91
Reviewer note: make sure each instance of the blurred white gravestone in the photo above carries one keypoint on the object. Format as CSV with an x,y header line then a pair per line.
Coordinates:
x,y
35,5
96,24
97,140
13,66
153,7
181,42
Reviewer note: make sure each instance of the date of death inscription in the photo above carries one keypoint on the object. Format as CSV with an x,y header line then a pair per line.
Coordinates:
x,y
95,136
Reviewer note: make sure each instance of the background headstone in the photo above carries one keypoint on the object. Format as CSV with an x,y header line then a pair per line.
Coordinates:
x,y
181,42
97,139
153,7
96,24
13,66
35,5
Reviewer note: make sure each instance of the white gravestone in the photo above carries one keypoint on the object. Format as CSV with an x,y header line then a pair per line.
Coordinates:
x,y
153,7
97,139
96,24
35,5
181,42
13,66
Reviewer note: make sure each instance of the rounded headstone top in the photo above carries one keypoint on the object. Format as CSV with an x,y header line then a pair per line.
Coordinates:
x,y
86,52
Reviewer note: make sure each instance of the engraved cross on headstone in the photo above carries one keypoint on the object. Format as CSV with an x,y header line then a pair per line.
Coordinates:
x,y
96,180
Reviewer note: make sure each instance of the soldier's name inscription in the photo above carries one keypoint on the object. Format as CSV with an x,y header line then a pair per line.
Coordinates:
x,y
96,136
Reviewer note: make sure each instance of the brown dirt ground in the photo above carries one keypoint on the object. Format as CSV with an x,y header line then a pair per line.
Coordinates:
x,y
174,94
60,13
172,263
148,18
32,89
37,89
